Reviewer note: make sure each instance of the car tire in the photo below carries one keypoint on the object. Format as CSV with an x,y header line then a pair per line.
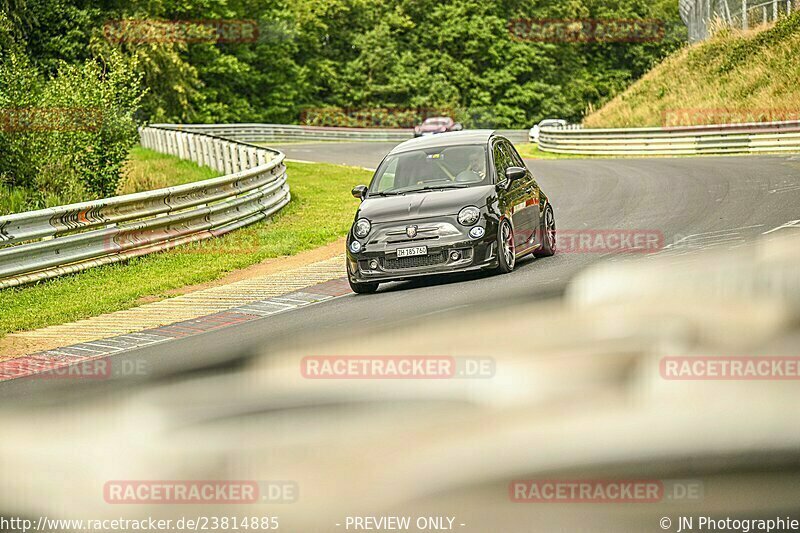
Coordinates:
x,y
506,250
548,229
361,288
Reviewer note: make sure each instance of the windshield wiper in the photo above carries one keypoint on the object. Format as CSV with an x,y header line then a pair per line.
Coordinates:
x,y
441,188
428,188
386,193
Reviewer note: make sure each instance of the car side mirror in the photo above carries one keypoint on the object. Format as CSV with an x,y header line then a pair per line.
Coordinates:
x,y
515,173
360,192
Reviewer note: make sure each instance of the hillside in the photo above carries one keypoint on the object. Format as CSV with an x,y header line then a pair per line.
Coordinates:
x,y
735,75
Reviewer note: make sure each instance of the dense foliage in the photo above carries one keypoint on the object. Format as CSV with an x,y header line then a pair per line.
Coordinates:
x,y
309,55
65,135
453,54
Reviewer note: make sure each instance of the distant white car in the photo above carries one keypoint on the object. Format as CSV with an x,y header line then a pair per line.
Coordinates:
x,y
533,135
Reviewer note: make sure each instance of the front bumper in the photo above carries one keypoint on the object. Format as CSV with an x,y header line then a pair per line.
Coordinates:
x,y
441,235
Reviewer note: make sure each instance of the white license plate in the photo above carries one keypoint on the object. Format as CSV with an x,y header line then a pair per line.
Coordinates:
x,y
409,252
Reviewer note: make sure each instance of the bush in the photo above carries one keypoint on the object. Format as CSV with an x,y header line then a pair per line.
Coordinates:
x,y
65,139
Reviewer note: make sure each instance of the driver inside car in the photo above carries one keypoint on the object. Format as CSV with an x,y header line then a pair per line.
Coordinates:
x,y
476,171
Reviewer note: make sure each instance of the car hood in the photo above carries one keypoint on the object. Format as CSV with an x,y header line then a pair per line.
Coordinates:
x,y
423,204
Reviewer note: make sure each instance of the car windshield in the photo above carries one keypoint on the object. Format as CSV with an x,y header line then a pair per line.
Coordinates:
x,y
431,169
436,121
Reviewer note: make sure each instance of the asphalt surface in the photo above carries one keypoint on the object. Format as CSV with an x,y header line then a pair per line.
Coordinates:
x,y
359,154
706,202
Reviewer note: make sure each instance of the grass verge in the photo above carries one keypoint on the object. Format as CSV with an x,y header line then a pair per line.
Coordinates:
x,y
147,170
531,151
735,76
320,212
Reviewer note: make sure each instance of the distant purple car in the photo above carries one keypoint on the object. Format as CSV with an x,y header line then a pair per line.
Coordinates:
x,y
434,125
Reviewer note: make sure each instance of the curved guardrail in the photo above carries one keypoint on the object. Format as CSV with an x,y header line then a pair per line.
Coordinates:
x,y
260,133
761,137
42,244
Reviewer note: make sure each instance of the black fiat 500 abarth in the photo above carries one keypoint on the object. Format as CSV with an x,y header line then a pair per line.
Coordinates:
x,y
448,203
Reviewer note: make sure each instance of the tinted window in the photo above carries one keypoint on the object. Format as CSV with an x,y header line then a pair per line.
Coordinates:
x,y
516,160
501,161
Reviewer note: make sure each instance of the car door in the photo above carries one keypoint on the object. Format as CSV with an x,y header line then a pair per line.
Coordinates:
x,y
511,195
529,194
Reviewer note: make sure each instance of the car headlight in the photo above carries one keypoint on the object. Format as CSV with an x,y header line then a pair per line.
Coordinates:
x,y
469,215
355,247
362,227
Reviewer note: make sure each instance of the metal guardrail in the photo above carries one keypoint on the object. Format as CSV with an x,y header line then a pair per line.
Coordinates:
x,y
42,244
750,138
260,133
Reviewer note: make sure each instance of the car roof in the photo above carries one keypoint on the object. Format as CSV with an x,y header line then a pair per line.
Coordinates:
x,y
440,140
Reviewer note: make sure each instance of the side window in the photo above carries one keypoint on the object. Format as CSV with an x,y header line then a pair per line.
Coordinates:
x,y
387,179
516,160
501,161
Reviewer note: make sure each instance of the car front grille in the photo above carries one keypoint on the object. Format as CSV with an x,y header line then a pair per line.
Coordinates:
x,y
416,261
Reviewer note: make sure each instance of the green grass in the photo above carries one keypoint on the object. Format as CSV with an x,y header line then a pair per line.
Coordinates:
x,y
320,212
531,151
734,76
147,170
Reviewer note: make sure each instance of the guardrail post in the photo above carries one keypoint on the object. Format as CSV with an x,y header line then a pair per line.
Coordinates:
x,y
226,157
241,155
206,151
200,147
219,166
183,138
191,147
233,150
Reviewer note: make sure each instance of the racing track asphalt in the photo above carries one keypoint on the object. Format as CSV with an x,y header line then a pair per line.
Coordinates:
x,y
728,201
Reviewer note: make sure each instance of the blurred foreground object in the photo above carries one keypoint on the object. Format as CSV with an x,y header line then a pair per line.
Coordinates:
x,y
575,392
